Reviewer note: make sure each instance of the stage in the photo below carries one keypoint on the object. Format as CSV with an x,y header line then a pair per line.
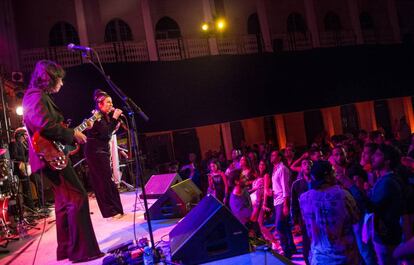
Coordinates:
x,y
110,232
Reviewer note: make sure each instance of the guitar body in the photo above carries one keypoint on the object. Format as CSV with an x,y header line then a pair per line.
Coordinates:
x,y
51,152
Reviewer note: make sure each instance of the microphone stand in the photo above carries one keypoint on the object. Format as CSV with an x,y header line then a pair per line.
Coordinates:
x,y
132,109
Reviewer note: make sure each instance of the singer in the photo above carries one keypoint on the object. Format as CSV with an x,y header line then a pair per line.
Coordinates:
x,y
97,155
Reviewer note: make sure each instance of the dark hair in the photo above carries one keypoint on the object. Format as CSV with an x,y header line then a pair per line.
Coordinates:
x,y
216,162
46,75
19,132
99,96
357,170
320,172
371,146
314,150
375,134
248,161
391,153
267,167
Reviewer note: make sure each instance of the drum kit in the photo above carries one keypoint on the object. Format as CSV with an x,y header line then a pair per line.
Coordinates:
x,y
11,210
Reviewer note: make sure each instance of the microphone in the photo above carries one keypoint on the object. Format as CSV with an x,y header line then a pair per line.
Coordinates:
x,y
119,118
73,47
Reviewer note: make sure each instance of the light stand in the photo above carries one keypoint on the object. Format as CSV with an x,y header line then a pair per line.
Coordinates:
x,y
132,109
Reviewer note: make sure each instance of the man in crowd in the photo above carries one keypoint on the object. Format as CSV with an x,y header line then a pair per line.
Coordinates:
x,y
329,213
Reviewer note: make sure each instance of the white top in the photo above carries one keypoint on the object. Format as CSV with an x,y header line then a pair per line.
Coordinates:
x,y
280,183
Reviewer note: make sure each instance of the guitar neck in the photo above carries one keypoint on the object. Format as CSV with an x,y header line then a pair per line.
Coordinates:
x,y
81,127
84,124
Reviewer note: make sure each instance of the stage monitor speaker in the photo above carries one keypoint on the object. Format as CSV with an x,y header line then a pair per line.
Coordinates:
x,y
159,184
176,202
209,232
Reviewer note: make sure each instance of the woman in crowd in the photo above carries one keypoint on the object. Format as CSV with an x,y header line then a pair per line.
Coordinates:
x,y
247,170
217,182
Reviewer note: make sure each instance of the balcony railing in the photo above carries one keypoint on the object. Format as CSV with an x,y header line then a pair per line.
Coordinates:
x,y
337,38
168,50
185,48
292,41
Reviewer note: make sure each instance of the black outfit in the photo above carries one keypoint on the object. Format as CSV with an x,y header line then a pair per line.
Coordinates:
x,y
19,152
219,188
97,155
75,235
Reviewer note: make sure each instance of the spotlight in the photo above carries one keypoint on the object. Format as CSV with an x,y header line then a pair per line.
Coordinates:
x,y
220,24
205,27
19,110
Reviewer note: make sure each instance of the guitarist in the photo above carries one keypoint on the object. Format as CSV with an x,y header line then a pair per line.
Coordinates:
x,y
75,235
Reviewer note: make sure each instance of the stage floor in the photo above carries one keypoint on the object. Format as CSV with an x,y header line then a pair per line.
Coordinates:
x,y
109,233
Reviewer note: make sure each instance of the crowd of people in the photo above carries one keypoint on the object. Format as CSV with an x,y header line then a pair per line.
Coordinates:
x,y
350,197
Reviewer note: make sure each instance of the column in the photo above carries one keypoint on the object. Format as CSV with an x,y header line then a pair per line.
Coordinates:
x,y
208,17
149,31
366,115
312,22
332,120
355,21
328,122
264,25
408,110
81,23
227,140
280,130
393,16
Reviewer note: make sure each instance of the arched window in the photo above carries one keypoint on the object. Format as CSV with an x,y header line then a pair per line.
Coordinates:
x,y
296,23
167,28
332,22
63,33
117,30
253,25
366,21
253,28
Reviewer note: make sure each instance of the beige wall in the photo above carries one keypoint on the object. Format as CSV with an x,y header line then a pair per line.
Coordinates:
x,y
237,14
209,138
322,7
34,20
278,12
187,13
129,11
332,120
253,131
366,115
295,128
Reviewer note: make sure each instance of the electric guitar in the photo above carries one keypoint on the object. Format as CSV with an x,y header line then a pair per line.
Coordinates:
x,y
53,152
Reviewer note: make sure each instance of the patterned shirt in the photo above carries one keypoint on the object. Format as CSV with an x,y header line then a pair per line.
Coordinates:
x,y
329,215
